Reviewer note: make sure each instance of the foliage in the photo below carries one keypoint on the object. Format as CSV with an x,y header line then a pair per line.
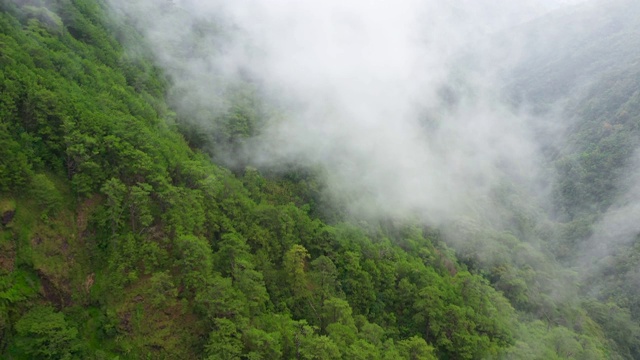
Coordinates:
x,y
43,333
136,245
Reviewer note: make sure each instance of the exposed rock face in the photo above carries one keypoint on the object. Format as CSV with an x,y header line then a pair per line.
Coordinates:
x,y
7,216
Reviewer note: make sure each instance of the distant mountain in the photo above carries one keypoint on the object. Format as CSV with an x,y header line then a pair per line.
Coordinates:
x,y
581,66
569,50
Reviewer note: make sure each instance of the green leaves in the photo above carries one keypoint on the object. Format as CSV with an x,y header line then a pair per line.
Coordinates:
x,y
195,261
415,348
225,341
200,261
46,194
115,191
43,333
15,166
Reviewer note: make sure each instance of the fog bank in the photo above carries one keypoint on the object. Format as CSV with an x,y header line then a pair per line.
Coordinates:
x,y
398,101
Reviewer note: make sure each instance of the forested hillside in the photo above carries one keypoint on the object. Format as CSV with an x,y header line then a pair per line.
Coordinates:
x,y
121,238
592,71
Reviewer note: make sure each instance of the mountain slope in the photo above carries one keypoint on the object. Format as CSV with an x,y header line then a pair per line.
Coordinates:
x,y
586,59
118,240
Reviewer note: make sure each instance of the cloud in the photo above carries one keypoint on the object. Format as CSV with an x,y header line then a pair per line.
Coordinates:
x,y
397,100
618,227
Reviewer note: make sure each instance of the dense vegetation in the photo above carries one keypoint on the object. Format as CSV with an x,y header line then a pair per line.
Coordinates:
x,y
121,239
